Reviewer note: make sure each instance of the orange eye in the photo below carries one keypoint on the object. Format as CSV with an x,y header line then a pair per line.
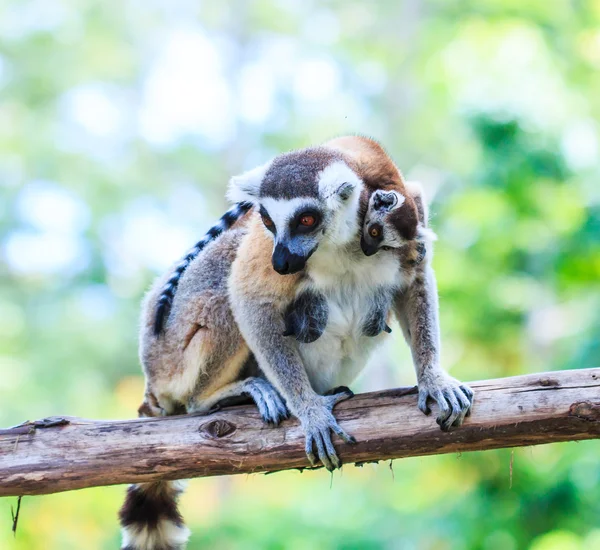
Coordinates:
x,y
307,220
267,221
374,232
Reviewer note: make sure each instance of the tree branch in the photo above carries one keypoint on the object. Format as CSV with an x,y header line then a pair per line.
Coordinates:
x,y
62,453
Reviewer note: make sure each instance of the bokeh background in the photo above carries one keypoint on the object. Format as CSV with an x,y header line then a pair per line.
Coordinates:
x,y
120,124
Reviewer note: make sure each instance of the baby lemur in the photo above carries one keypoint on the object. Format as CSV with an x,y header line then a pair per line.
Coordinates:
x,y
306,317
221,334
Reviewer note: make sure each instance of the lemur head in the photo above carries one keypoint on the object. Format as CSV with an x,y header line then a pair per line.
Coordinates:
x,y
388,225
303,197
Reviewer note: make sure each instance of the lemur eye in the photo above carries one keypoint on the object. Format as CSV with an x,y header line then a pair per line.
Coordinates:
x,y
308,220
375,232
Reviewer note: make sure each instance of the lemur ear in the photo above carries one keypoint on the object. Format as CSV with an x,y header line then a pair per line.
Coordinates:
x,y
415,190
345,190
246,186
426,234
337,183
386,200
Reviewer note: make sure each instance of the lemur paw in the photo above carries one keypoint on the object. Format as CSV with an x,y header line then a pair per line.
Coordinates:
x,y
318,422
454,399
270,404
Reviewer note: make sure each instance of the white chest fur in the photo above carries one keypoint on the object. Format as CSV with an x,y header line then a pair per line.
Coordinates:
x,y
349,282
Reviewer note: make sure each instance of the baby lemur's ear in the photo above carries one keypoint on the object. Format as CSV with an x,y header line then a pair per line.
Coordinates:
x,y
415,189
386,201
246,186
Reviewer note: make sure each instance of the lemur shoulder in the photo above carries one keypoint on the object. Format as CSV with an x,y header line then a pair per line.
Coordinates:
x,y
222,333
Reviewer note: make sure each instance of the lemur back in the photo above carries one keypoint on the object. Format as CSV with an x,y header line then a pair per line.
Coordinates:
x,y
165,299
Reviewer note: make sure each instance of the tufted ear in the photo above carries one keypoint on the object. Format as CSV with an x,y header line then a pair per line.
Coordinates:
x,y
337,183
246,186
386,201
415,190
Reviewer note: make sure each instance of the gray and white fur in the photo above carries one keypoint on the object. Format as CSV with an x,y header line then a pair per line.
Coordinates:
x,y
416,307
165,299
228,315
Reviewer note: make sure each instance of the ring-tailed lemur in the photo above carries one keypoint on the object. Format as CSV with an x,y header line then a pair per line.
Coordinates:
x,y
231,300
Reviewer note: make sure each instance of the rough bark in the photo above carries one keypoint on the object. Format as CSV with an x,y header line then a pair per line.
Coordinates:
x,y
64,453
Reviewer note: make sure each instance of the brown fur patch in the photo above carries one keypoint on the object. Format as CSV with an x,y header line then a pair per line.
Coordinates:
x,y
378,171
252,272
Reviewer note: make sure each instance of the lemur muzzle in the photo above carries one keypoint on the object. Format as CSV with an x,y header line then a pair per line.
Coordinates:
x,y
286,262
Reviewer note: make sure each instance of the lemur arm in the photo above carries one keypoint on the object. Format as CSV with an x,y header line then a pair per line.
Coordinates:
x,y
259,298
417,311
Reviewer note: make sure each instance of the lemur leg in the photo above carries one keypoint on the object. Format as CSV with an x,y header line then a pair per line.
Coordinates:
x,y
376,320
270,404
306,317
262,325
417,312
224,361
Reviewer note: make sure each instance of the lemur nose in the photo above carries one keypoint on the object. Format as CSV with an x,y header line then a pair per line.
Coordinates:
x,y
286,262
280,259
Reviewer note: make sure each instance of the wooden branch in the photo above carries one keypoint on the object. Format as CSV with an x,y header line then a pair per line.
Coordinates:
x,y
61,454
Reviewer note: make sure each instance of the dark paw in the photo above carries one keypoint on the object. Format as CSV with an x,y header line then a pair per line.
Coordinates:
x,y
270,404
318,425
454,401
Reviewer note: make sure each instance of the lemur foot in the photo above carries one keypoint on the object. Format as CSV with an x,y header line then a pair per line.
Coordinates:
x,y
270,404
453,399
318,422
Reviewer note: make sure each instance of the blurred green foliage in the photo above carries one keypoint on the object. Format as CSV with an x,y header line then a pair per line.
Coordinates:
x,y
119,126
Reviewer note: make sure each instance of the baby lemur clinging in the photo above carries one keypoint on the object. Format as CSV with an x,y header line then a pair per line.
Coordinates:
x,y
306,317
221,334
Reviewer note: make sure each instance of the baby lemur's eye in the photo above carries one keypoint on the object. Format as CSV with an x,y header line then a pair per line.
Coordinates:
x,y
308,220
375,232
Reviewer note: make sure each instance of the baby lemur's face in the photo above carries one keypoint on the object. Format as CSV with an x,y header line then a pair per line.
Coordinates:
x,y
381,228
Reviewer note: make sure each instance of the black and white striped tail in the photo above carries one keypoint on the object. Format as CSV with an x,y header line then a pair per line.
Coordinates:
x,y
165,299
150,519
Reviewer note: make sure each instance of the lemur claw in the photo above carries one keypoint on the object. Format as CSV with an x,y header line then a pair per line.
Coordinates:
x,y
318,424
454,401
270,404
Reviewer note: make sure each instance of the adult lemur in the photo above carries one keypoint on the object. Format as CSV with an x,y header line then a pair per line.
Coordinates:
x,y
224,329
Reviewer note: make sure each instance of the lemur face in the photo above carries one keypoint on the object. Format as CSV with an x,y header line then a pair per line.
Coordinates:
x,y
379,230
303,197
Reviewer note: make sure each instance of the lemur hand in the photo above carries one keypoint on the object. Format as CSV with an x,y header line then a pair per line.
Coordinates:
x,y
318,422
453,398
